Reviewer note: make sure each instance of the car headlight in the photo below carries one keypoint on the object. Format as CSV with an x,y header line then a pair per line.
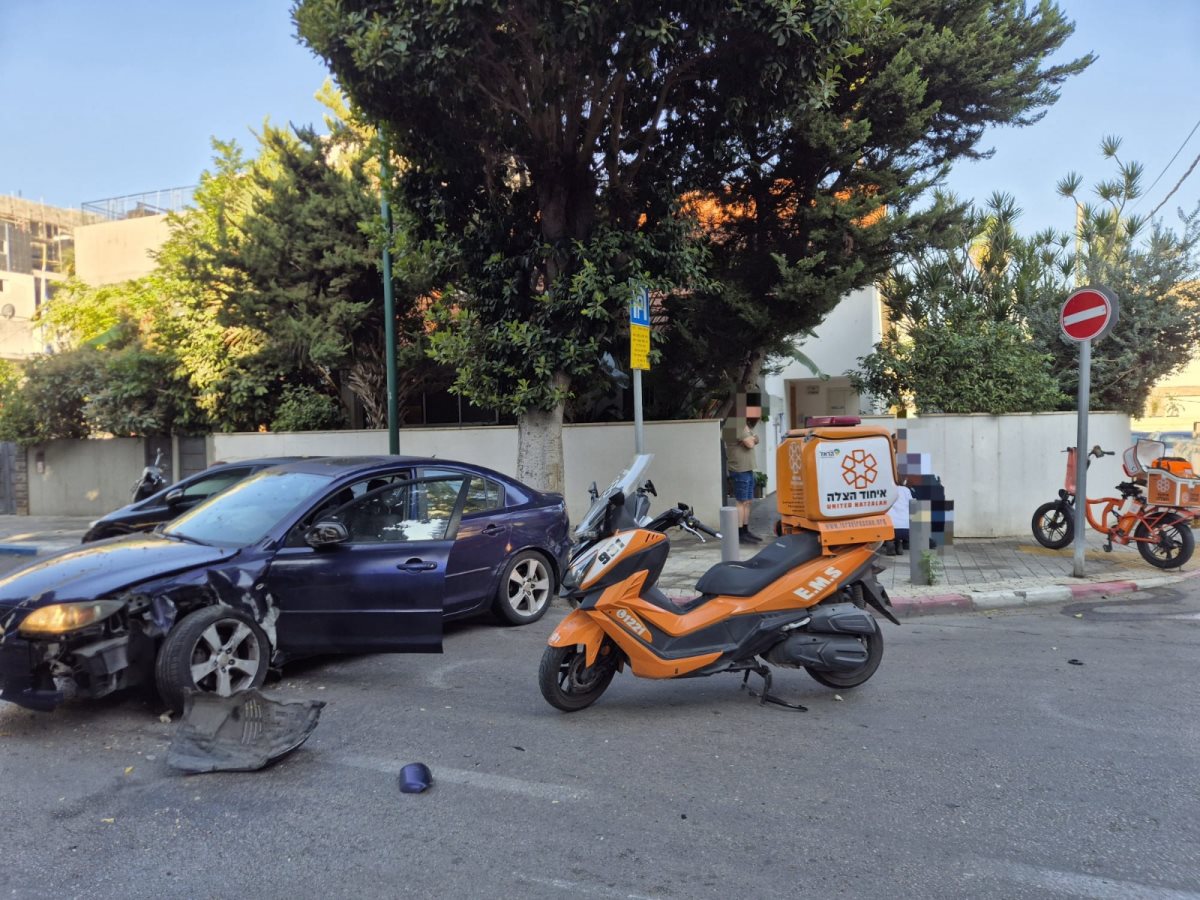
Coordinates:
x,y
59,618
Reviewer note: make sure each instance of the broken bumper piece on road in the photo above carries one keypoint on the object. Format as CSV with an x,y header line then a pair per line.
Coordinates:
x,y
241,733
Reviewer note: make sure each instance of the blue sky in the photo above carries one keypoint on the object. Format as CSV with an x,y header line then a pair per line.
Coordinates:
x,y
111,97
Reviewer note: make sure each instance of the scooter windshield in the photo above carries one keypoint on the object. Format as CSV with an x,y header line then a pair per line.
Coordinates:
x,y
625,483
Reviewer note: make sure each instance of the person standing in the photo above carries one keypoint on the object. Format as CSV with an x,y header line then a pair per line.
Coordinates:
x,y
740,441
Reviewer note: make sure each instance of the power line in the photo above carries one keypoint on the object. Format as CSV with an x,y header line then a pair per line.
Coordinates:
x,y
1177,184
1172,160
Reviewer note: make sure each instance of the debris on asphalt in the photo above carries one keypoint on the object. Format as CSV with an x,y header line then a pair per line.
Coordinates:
x,y
165,718
241,733
1074,662
837,697
415,778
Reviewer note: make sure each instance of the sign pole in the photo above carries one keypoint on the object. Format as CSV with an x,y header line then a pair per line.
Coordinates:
x,y
1088,314
639,436
639,356
1081,455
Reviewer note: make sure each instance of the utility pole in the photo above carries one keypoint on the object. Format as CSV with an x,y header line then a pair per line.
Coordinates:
x,y
389,300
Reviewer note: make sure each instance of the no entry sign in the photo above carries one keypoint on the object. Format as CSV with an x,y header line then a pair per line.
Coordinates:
x,y
1089,313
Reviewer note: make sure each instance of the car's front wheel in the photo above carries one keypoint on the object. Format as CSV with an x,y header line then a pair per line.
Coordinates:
x,y
215,649
526,588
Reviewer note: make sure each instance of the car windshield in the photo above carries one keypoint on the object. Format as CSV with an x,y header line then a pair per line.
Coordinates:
x,y
243,514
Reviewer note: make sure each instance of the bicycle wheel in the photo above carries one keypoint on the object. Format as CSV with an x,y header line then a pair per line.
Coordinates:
x,y
1167,544
1053,524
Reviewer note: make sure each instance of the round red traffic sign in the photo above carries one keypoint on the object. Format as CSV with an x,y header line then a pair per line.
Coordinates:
x,y
1089,313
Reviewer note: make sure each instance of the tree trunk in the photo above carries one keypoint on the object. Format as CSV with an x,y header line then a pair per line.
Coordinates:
x,y
747,380
539,445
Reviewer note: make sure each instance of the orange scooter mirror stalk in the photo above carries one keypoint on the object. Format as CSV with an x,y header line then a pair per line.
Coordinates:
x,y
804,601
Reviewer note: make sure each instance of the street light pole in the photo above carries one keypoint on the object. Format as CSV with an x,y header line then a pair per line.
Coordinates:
x,y
389,300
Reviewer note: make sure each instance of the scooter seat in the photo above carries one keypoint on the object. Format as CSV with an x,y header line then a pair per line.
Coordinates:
x,y
747,578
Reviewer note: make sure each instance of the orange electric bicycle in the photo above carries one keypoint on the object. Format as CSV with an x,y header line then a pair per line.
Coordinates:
x,y
804,601
1154,519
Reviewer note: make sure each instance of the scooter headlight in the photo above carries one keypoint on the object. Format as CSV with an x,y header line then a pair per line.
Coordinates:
x,y
60,618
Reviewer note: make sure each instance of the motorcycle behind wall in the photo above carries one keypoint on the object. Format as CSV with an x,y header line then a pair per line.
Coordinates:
x,y
803,601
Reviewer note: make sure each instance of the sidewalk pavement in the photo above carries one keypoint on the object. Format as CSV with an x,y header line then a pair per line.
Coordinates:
x,y
977,573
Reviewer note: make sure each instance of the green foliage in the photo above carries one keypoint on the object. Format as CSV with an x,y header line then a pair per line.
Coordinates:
x,y
52,398
1155,272
978,317
931,566
815,199
304,409
545,144
959,343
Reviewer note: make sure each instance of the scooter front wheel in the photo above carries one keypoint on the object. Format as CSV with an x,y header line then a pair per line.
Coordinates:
x,y
568,683
1054,524
854,677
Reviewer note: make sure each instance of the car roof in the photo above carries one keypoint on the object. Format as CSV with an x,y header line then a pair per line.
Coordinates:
x,y
338,466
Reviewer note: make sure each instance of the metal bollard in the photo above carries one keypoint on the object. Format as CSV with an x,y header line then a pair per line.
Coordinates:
x,y
920,527
730,550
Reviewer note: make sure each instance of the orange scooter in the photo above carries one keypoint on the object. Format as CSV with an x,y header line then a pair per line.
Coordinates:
x,y
801,602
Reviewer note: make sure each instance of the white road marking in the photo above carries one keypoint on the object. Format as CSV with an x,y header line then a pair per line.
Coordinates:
x,y
537,789
579,887
1079,885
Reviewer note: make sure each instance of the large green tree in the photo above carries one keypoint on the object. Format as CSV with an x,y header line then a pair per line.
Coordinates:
x,y
544,145
807,201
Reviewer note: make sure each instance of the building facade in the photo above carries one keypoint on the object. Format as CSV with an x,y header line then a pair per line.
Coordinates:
x,y
36,245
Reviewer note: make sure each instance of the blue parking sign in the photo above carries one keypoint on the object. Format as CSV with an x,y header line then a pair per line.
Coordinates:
x,y
639,306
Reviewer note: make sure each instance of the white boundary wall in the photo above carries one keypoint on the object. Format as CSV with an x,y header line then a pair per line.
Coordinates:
x,y
999,469
686,467
83,478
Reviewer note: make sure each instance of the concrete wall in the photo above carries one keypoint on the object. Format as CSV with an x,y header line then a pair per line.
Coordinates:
x,y
687,464
82,478
111,252
999,469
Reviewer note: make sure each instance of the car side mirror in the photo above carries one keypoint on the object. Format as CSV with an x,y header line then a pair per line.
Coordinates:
x,y
327,533
174,497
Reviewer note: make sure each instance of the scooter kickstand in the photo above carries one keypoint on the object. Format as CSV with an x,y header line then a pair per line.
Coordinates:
x,y
766,697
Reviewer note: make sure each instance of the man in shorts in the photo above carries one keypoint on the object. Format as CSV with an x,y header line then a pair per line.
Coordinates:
x,y
740,441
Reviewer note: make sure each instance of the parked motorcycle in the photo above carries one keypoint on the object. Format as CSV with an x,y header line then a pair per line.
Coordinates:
x,y
151,480
801,602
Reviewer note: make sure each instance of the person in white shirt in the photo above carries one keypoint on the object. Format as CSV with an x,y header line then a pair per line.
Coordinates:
x,y
899,514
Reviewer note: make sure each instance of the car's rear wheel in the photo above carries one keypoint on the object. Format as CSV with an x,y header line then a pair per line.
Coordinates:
x,y
526,588
217,650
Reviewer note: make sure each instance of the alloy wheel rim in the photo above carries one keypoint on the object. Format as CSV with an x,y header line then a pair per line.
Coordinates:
x,y
528,587
225,658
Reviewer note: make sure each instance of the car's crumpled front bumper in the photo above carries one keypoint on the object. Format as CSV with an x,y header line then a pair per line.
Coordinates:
x,y
20,680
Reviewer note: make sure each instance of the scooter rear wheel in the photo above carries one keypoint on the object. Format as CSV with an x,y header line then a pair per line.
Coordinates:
x,y
568,683
854,677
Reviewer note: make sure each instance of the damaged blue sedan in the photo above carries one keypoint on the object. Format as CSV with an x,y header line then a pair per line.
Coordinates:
x,y
350,555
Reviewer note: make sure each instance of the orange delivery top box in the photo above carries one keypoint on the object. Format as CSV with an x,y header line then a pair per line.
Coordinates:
x,y
831,473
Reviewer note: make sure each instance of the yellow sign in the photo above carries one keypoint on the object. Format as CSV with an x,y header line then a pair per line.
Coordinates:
x,y
639,346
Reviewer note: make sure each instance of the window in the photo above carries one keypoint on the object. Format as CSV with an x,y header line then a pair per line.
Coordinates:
x,y
483,494
206,487
406,511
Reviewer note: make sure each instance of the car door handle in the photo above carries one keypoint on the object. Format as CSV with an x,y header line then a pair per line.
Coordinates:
x,y
492,529
416,565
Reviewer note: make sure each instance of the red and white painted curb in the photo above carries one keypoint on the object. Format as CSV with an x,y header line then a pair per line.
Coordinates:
x,y
1014,598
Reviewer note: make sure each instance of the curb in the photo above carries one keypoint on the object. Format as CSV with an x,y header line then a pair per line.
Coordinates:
x,y
985,601
19,549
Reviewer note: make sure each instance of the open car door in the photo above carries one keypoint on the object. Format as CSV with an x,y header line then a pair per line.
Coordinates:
x,y
371,574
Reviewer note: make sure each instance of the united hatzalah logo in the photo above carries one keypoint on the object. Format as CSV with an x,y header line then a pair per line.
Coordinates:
x,y
859,469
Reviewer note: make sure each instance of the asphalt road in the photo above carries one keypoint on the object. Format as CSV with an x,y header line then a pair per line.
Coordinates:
x,y
977,763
